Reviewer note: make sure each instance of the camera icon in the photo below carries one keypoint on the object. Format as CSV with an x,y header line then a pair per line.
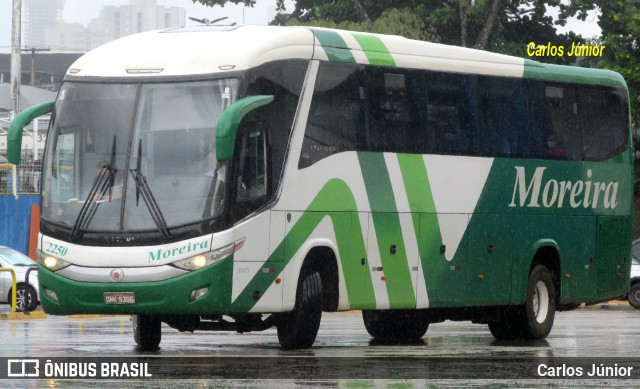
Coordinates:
x,y
23,368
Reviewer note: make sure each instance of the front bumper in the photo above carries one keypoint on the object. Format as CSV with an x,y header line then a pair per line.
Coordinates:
x,y
166,297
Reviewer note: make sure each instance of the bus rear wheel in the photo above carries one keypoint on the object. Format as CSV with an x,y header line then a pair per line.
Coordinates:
x,y
540,305
298,329
535,318
147,332
397,325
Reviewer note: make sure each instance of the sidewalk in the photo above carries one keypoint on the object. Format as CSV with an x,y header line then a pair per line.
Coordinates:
x,y
6,314
614,305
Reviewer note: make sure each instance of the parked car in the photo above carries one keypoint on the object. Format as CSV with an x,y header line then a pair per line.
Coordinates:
x,y
634,291
26,295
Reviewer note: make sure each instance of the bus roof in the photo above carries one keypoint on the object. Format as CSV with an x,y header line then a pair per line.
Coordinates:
x,y
193,51
201,50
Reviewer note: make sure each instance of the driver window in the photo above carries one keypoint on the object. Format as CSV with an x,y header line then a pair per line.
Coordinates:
x,y
251,180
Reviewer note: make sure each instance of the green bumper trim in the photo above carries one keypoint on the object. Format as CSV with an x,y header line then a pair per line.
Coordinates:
x,y
160,297
14,138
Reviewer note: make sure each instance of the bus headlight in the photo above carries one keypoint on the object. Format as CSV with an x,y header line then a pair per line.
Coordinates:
x,y
50,262
199,261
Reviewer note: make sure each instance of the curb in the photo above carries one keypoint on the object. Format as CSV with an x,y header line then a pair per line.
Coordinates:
x,y
22,315
93,316
611,305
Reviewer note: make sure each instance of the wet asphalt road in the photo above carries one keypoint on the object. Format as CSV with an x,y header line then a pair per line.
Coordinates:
x,y
595,333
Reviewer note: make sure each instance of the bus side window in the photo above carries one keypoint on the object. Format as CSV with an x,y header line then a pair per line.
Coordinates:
x,y
451,113
335,117
605,130
502,116
389,109
540,123
562,107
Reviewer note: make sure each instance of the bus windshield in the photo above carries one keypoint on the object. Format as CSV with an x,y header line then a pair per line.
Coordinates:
x,y
127,157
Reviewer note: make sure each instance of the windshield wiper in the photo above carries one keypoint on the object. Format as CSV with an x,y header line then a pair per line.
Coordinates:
x,y
142,188
102,182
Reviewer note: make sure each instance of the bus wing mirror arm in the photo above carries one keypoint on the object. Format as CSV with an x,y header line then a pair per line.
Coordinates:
x,y
230,121
14,138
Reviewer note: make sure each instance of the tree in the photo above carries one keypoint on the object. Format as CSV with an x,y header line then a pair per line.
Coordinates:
x,y
247,3
503,26
488,25
620,24
464,7
483,24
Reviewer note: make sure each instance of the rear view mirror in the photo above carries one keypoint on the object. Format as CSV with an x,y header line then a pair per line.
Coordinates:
x,y
14,138
230,120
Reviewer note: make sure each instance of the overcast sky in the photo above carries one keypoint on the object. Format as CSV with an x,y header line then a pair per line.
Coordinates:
x,y
81,11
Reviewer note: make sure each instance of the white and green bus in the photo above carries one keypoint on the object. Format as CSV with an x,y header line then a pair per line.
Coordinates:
x,y
240,178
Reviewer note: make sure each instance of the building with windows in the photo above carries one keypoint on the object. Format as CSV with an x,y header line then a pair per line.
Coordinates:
x,y
140,15
44,26
38,17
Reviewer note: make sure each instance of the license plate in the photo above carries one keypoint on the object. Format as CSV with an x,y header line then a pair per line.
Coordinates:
x,y
119,298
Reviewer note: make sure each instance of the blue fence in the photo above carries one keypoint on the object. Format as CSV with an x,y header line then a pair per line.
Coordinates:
x,y
15,217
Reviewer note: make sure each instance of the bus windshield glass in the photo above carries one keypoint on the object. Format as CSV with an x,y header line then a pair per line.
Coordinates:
x,y
127,157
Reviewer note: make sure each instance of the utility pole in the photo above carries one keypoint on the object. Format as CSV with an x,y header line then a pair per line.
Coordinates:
x,y
16,63
33,66
33,63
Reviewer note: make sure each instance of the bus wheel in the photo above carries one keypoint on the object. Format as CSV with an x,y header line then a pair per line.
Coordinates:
x,y
147,332
396,326
298,329
506,328
634,296
540,304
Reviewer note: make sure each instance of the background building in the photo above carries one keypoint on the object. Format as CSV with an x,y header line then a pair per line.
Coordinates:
x,y
140,15
50,68
38,17
44,26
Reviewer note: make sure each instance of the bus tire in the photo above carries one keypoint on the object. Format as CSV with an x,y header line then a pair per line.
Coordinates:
x,y
298,329
147,332
540,305
634,296
26,298
397,325
505,329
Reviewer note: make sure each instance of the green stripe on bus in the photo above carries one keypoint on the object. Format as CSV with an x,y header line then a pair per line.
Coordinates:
x,y
349,238
388,231
334,46
549,72
375,50
422,206
416,183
